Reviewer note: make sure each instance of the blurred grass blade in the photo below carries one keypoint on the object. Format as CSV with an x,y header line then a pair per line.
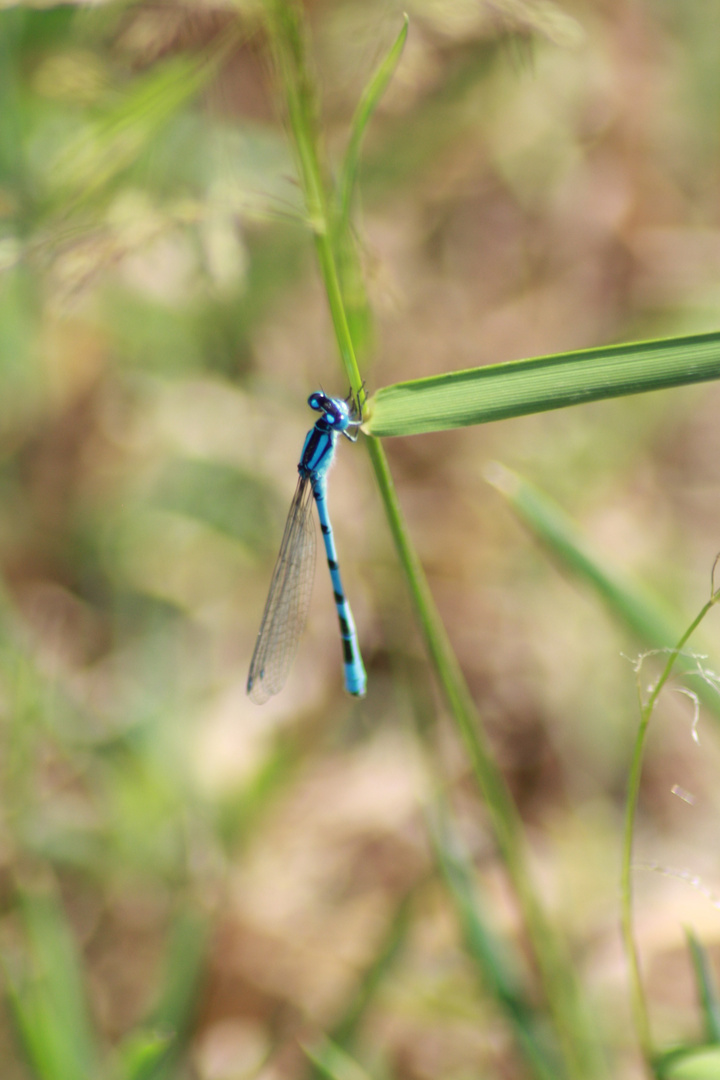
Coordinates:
x,y
573,1027
182,983
375,973
499,391
644,613
240,812
699,1063
219,495
706,988
333,1063
141,1054
366,107
499,974
47,996
108,145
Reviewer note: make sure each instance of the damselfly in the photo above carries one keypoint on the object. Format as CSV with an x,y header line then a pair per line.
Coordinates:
x,y
289,597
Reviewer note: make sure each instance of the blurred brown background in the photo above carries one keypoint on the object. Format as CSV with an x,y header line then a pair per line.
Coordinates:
x,y
539,178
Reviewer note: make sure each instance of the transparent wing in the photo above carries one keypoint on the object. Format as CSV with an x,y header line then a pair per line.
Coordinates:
x,y
288,600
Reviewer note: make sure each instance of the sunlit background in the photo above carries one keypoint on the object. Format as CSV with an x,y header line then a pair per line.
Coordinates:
x,y
538,178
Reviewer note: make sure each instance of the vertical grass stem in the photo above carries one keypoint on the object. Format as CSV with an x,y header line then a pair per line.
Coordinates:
x,y
577,1042
637,992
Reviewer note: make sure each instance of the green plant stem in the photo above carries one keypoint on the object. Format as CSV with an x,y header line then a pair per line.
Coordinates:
x,y
574,1036
287,42
553,966
366,106
637,993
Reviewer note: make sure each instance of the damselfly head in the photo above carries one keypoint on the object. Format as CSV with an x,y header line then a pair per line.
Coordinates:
x,y
336,411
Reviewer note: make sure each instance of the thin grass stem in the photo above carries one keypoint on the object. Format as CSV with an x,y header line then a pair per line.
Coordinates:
x,y
575,1038
637,991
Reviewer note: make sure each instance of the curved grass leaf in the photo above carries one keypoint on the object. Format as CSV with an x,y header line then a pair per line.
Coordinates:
x,y
499,391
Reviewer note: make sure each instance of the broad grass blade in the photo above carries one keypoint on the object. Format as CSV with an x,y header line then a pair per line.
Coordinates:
x,y
499,391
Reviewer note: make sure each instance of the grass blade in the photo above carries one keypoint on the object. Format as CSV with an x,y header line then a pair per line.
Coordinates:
x,y
652,621
498,972
141,1054
699,1063
706,988
366,107
373,977
93,159
184,963
499,391
349,266
332,1063
286,32
46,994
572,1025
